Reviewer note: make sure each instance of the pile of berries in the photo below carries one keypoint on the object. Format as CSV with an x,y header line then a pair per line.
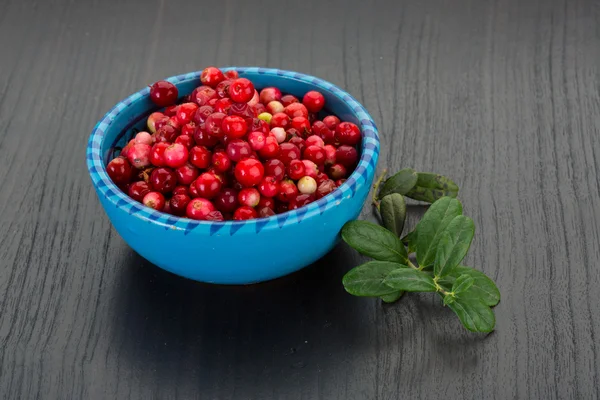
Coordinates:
x,y
227,151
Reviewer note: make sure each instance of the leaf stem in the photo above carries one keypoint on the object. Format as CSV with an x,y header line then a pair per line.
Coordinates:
x,y
410,264
376,188
441,289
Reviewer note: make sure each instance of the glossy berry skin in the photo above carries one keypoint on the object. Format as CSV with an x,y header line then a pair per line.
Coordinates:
x,y
163,93
234,126
138,190
258,125
241,90
143,138
269,94
179,204
174,122
119,170
188,129
296,169
337,171
222,88
165,133
288,152
242,110
275,168
199,209
325,188
266,202
346,155
221,161
347,133
313,101
278,133
157,154
223,105
259,108
244,213
249,197
202,114
307,185
331,122
154,200
265,212
203,94
288,99
315,140
227,200
186,174
171,111
238,149
299,142
287,191
139,155
315,154
213,124
310,169
330,151
301,200
211,76
232,74
270,149
215,216
255,99
152,119
268,186
186,141
208,185
321,177
176,155
296,110
163,180
192,190
185,112
200,157
249,172
320,129
281,120
203,138
181,190
256,140
302,125
275,107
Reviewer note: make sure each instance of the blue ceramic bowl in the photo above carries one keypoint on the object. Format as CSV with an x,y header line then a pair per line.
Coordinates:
x,y
233,252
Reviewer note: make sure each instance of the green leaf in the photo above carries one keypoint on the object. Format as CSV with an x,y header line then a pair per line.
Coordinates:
x,y
474,314
390,298
483,286
367,279
453,244
400,183
410,240
410,280
431,187
393,212
374,241
431,226
462,284
448,299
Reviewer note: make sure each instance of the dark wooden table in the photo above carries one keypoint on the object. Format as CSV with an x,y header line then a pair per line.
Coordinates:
x,y
503,96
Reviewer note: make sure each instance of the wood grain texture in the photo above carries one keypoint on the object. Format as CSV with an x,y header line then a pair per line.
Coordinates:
x,y
501,95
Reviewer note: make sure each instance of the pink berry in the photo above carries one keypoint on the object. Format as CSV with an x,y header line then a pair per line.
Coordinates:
x,y
215,216
176,155
154,200
119,170
307,185
238,149
199,208
249,172
347,133
325,188
289,99
268,186
331,122
314,140
186,174
208,185
256,140
244,213
275,168
279,134
296,110
346,155
241,90
152,120
143,138
310,169
163,93
274,107
226,201
163,180
330,151
314,101
296,169
270,94
139,155
211,76
254,100
249,197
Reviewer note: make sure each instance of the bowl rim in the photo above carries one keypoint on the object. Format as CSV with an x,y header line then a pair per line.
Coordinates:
x,y
367,162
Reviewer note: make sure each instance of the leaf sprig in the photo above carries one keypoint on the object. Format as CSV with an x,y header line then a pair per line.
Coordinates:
x,y
428,259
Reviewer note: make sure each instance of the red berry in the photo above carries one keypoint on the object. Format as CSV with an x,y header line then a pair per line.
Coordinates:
x,y
185,112
320,129
241,90
238,149
179,203
249,197
288,152
325,188
321,177
275,107
203,94
232,74
226,201
340,182
249,172
265,212
186,174
199,209
329,154
186,141
157,154
296,169
314,140
275,168
280,120
181,190
337,171
208,185
188,129
268,186
287,191
289,99
163,180
165,133
254,100
267,202
119,170
256,140
269,94
167,207
200,157
310,169
176,155
213,124
259,125
171,111
211,76
242,110
163,93
301,200
296,110
138,190
174,122
346,155
347,133
314,101
201,114
244,213
234,126
315,154
331,122
270,149
302,125
282,207
215,216
222,88
298,141
153,119
221,161
203,138
193,191
223,105
258,109
139,155
154,200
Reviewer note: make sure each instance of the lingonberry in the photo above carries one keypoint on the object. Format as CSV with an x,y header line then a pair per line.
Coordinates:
x,y
185,112
310,168
223,105
186,174
265,212
249,197
321,177
301,200
174,122
163,180
331,122
153,119
208,185
186,141
275,168
307,185
179,203
200,157
289,99
188,129
337,171
143,138
139,155
193,191
256,140
255,99
157,154
203,138
281,120
314,101
315,154
221,161
241,90
330,151
346,155
232,74
234,126
314,140
137,190
244,213
296,169
259,125
249,172
298,141
279,134
282,207
287,191
319,128
268,186
340,182
288,152
302,125
165,133
211,76
347,133
154,200
238,149
181,190
270,149
259,108
270,94
222,88
215,216
325,187
201,114
265,117
163,93
275,107
199,208
296,110
227,200
119,170
242,110
170,111
203,94
176,155
267,201
167,207
213,124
